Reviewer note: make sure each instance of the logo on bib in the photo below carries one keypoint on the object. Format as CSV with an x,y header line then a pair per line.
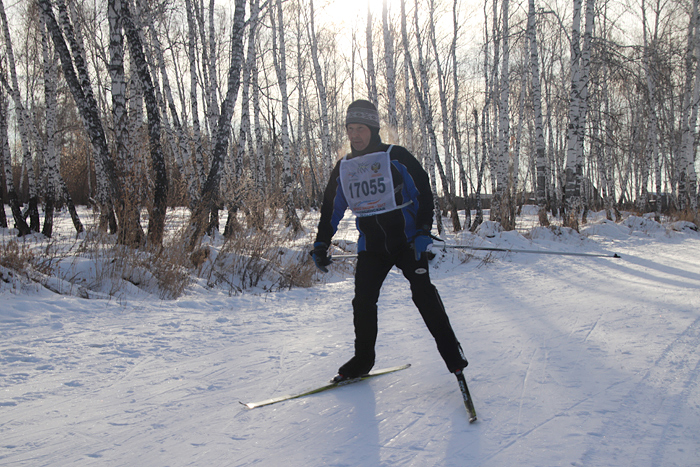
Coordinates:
x,y
421,271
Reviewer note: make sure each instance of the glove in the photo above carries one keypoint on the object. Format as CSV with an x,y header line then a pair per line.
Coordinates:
x,y
320,256
422,243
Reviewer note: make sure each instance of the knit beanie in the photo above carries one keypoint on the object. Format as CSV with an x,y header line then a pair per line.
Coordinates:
x,y
364,112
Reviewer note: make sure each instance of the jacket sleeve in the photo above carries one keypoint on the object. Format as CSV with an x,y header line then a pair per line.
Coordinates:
x,y
332,209
424,195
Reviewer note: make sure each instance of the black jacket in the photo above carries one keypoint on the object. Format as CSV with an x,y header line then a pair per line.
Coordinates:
x,y
390,231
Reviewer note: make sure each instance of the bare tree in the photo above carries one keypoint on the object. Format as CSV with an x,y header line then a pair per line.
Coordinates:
x,y
130,232
371,76
13,199
210,191
389,63
580,63
540,158
53,182
279,55
22,122
687,182
156,220
502,209
448,185
326,156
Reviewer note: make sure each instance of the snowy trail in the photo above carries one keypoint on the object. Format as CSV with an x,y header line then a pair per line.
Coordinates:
x,y
582,362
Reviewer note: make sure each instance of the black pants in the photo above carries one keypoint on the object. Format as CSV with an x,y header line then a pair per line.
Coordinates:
x,y
371,270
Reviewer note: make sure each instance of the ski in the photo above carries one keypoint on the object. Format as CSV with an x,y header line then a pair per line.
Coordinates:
x,y
371,374
468,403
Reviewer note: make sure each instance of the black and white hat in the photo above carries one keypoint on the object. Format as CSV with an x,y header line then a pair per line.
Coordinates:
x,y
364,112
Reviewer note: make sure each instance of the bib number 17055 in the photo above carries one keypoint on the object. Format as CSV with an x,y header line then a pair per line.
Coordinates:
x,y
367,187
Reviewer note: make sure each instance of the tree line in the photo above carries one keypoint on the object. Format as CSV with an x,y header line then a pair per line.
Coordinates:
x,y
132,105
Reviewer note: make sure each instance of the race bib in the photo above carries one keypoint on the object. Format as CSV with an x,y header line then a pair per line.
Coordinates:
x,y
367,184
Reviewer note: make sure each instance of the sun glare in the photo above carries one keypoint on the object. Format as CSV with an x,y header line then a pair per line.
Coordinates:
x,y
351,13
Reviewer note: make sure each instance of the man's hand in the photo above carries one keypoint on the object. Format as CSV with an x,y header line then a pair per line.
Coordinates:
x,y
320,256
422,243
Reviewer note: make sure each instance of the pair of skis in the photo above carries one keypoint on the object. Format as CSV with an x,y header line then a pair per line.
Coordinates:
x,y
460,379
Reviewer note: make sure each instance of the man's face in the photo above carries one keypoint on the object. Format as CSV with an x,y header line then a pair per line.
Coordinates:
x,y
359,135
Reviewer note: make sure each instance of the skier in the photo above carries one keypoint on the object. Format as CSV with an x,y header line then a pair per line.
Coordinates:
x,y
389,192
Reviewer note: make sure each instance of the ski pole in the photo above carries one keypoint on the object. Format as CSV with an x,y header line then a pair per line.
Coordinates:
x,y
541,252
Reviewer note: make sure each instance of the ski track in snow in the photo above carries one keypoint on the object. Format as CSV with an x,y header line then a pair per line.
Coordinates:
x,y
573,362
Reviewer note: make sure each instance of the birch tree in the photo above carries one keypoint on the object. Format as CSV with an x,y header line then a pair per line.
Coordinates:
x,y
279,56
156,219
51,192
80,88
130,232
210,191
502,210
687,180
194,80
456,137
580,63
20,223
389,63
326,156
22,122
447,177
371,76
540,158
421,90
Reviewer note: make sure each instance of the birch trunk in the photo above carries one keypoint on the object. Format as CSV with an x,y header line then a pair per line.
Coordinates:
x,y
580,62
108,190
13,199
130,232
422,97
503,210
194,106
156,219
687,180
389,64
183,156
22,124
210,192
455,125
540,158
408,113
257,152
326,156
448,185
50,155
652,138
371,77
280,59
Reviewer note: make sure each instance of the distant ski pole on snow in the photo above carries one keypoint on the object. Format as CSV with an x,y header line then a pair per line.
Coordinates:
x,y
541,252
508,250
505,250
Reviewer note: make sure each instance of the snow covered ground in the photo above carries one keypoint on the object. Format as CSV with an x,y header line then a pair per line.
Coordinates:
x,y
574,361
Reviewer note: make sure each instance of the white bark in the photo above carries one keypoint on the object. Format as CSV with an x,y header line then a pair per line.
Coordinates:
x,y
326,156
371,77
687,182
448,184
389,59
503,210
194,106
280,59
540,158
22,121
574,162
51,161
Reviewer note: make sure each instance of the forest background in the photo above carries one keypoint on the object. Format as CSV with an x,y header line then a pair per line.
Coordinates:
x,y
137,107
